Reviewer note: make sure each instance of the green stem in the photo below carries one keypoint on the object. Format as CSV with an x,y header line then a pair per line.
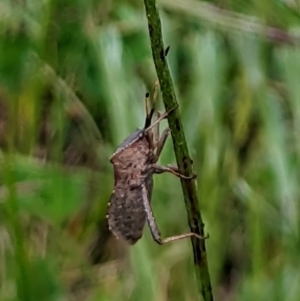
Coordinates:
x,y
181,150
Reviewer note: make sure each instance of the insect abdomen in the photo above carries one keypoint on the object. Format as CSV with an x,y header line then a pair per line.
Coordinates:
x,y
126,214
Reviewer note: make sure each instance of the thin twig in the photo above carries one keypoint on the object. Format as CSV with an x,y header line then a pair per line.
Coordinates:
x,y
181,150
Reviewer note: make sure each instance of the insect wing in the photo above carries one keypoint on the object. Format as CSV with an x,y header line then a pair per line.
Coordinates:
x,y
126,214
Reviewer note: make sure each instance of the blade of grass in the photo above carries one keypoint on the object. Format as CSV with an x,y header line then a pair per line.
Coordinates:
x,y
181,150
12,213
227,20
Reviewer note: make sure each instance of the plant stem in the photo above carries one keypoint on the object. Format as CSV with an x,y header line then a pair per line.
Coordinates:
x,y
181,150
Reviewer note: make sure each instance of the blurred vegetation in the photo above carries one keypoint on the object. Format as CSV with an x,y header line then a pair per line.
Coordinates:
x,y
73,75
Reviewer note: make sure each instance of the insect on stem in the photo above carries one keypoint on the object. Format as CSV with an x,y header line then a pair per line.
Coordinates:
x,y
134,166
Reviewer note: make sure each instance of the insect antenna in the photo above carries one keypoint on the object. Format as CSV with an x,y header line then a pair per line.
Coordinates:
x,y
148,115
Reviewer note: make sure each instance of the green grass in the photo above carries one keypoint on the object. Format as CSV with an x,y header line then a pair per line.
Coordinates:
x,y
238,90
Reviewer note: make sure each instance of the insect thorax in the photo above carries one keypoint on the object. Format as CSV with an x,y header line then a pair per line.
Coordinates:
x,y
134,154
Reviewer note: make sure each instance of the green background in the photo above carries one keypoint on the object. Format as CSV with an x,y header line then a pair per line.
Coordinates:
x,y
73,75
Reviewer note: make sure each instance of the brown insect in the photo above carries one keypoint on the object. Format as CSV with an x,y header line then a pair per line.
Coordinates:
x,y
134,164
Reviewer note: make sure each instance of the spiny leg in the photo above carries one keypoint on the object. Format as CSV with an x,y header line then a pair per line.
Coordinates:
x,y
154,228
171,169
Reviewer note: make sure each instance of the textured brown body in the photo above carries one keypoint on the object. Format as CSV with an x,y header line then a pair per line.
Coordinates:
x,y
132,167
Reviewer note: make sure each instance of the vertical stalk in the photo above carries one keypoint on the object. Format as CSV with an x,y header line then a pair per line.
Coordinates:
x,y
181,150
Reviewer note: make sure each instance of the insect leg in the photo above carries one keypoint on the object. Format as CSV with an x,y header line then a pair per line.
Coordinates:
x,y
150,217
156,129
154,101
155,89
161,143
182,236
173,170
161,117
154,228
